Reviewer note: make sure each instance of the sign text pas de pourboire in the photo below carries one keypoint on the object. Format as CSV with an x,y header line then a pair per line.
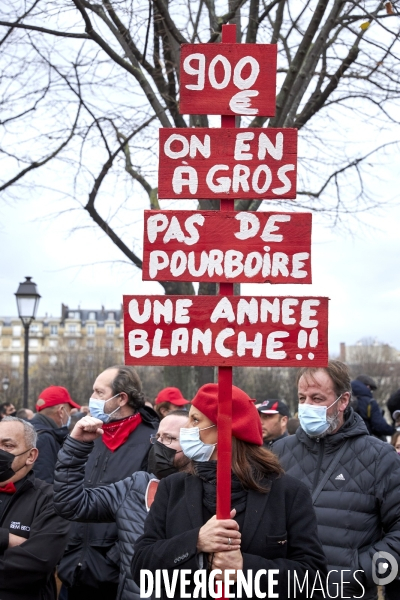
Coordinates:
x,y
227,246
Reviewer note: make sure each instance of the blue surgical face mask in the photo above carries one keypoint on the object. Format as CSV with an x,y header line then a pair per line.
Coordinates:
x,y
68,423
192,446
313,418
96,408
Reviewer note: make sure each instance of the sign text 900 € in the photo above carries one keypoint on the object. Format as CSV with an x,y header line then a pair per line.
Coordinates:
x,y
228,79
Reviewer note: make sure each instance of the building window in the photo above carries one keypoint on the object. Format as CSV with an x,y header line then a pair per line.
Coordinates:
x,y
90,344
15,359
34,329
16,344
32,359
53,359
33,343
110,330
92,316
90,329
71,343
72,328
53,329
16,330
110,345
71,315
53,343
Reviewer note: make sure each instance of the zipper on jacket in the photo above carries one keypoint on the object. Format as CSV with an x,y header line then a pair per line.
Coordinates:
x,y
104,469
94,468
319,441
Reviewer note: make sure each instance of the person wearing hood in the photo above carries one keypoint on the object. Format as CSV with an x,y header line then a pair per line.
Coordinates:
x,y
368,408
51,423
354,480
125,502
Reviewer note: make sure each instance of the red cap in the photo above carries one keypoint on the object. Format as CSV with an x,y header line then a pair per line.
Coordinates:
x,y
246,424
54,395
173,395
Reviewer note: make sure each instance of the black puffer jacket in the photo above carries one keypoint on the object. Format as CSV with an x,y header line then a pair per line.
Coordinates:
x,y
93,555
358,509
122,502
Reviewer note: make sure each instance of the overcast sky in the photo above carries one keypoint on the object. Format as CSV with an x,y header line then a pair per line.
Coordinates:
x,y
359,272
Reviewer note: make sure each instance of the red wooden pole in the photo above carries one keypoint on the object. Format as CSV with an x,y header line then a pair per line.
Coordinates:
x,y
224,420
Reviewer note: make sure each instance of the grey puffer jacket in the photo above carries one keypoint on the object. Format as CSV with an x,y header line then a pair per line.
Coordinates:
x,y
358,509
123,502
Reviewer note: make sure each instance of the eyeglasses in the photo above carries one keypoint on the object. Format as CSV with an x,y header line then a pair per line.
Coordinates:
x,y
164,439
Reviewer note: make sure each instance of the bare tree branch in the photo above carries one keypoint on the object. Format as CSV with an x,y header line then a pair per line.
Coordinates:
x,y
65,34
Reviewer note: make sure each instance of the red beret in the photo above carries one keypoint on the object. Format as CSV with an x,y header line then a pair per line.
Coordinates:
x,y
246,424
54,395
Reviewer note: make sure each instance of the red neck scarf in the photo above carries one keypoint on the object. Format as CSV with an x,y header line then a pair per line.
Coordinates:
x,y
9,488
117,432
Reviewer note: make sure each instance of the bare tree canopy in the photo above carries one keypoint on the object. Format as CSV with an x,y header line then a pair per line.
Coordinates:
x,y
85,86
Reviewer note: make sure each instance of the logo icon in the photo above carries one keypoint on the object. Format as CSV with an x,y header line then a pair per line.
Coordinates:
x,y
381,561
341,477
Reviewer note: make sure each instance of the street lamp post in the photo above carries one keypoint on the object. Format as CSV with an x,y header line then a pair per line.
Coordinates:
x,y
5,382
27,302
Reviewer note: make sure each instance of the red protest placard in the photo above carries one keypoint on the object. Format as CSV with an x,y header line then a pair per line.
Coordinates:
x,y
228,79
241,247
227,163
226,331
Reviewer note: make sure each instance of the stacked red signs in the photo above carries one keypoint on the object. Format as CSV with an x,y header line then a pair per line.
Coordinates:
x,y
227,246
244,247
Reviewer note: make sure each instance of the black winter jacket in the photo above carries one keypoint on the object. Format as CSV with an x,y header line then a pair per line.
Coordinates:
x,y
27,570
368,409
279,532
123,502
50,439
93,555
358,509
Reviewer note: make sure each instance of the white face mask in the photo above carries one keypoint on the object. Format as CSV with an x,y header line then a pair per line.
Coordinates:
x,y
96,408
192,446
313,418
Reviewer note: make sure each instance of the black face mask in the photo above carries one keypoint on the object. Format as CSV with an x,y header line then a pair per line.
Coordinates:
x,y
6,460
13,414
161,460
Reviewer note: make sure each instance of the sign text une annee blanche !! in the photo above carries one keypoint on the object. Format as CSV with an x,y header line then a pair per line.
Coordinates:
x,y
226,331
242,247
228,79
227,163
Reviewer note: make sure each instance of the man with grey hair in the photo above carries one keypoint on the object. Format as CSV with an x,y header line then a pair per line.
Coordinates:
x,y
32,535
354,479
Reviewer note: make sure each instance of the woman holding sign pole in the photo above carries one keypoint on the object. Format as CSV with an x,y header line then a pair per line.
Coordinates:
x,y
185,551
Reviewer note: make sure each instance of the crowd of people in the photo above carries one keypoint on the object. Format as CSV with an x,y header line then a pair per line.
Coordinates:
x,y
116,500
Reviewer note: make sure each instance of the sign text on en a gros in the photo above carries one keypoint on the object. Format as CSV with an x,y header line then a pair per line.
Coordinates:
x,y
227,163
